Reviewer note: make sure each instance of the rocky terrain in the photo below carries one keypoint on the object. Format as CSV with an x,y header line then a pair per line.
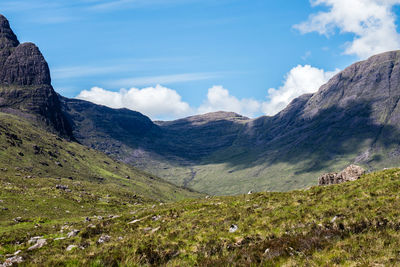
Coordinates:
x,y
354,223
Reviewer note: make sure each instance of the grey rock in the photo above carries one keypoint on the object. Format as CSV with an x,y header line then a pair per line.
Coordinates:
x,y
11,261
351,173
233,228
39,244
71,247
73,233
134,221
104,239
156,217
34,240
17,219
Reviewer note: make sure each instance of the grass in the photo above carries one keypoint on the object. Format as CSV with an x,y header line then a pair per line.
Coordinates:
x,y
353,224
33,162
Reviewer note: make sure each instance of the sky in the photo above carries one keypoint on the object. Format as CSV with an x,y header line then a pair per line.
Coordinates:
x,y
170,59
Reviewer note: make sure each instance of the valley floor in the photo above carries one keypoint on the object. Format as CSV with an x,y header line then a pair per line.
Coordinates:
x,y
352,224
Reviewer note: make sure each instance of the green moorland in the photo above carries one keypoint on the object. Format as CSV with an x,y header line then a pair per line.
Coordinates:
x,y
352,224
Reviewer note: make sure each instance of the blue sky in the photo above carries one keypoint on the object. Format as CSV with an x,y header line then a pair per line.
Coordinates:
x,y
184,57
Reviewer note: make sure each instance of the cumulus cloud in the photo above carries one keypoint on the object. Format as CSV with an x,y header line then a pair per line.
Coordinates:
x,y
219,99
156,102
160,102
300,80
371,21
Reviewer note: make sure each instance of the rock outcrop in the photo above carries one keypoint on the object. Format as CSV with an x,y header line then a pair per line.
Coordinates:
x,y
25,66
351,173
25,83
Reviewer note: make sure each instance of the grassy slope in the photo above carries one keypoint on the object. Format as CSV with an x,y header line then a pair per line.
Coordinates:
x,y
33,162
292,229
243,174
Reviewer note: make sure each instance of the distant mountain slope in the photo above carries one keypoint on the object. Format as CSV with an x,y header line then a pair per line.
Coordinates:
x,y
353,118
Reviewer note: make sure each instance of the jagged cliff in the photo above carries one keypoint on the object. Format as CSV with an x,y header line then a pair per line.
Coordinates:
x,y
25,83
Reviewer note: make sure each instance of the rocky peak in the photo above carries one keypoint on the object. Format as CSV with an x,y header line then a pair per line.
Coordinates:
x,y
25,84
26,66
7,37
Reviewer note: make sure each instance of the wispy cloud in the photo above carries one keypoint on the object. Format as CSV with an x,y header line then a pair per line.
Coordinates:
x,y
85,71
164,79
117,4
116,66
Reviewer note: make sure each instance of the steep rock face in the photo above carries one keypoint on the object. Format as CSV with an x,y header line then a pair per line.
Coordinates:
x,y
25,66
8,40
25,84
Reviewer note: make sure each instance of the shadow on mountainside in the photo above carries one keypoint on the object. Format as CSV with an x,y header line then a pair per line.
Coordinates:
x,y
309,143
331,134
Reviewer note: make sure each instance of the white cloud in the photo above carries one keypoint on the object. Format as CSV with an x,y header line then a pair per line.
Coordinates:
x,y
371,21
219,99
156,102
160,102
300,80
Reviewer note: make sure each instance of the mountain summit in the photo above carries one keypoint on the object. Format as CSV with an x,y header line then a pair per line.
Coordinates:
x,y
25,83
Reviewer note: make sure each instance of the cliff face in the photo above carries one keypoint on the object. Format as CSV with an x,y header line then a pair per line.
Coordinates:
x,y
25,83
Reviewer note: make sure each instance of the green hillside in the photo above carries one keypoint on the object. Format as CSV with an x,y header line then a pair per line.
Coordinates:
x,y
33,162
352,224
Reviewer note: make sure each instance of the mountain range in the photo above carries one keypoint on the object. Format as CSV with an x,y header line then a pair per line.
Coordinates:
x,y
354,118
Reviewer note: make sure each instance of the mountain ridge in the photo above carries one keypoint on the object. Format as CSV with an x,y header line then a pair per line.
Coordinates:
x,y
345,122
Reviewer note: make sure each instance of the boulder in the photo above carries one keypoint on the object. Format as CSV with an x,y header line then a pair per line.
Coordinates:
x,y
104,239
71,247
39,243
351,173
73,233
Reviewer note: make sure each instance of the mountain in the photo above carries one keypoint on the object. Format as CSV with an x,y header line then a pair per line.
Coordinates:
x,y
354,118
25,83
